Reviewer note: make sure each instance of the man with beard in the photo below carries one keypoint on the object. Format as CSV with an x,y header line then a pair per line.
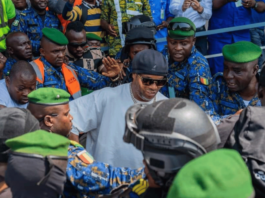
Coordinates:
x,y
85,176
19,48
237,87
189,73
16,87
33,20
101,114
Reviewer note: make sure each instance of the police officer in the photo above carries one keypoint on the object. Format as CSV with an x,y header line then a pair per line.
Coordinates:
x,y
33,20
19,48
237,87
85,176
189,74
169,133
52,72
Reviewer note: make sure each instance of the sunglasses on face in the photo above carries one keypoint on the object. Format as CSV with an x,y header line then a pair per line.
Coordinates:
x,y
149,81
78,44
180,26
53,115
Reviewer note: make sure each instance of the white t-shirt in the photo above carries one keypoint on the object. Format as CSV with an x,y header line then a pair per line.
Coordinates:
x,y
5,98
102,114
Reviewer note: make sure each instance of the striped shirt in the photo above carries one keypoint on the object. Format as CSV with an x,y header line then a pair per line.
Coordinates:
x,y
91,21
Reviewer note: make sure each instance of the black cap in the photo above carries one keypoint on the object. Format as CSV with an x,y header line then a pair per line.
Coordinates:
x,y
140,35
150,62
262,77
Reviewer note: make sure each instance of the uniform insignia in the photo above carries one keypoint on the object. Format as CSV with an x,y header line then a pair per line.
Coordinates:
x,y
15,23
23,14
204,81
85,157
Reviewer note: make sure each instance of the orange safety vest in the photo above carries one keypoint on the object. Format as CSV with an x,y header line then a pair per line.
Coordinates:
x,y
70,77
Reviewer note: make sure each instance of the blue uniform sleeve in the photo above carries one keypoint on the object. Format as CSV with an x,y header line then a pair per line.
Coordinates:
x,y
97,177
90,79
199,81
19,24
168,14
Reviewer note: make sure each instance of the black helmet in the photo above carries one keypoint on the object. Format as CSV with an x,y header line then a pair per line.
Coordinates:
x,y
170,133
139,21
140,35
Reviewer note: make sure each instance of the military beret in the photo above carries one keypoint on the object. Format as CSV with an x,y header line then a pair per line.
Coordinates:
x,y
49,96
221,173
55,36
91,36
40,142
187,30
241,52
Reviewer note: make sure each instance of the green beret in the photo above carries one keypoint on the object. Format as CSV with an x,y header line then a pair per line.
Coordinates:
x,y
91,36
49,96
180,34
241,52
40,142
221,173
55,36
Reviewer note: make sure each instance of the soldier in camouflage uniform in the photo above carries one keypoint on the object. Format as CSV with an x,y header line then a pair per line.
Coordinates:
x,y
33,20
189,73
113,16
237,87
85,176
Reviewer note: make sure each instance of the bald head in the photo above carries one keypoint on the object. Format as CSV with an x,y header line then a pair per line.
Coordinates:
x,y
19,46
22,68
21,81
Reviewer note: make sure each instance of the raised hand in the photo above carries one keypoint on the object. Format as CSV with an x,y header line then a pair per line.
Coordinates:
x,y
112,66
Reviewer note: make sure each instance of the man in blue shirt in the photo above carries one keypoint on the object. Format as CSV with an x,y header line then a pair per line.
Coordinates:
x,y
229,13
33,20
19,48
189,73
161,17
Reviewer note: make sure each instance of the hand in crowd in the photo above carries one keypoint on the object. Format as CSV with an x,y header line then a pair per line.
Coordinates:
x,y
164,24
123,65
71,1
248,3
111,31
196,6
112,66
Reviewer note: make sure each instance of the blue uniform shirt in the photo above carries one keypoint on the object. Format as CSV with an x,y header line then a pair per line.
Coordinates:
x,y
158,6
9,63
257,17
53,77
91,179
227,16
190,79
31,24
225,102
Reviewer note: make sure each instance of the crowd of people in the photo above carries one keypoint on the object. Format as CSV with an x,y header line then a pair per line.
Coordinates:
x,y
94,104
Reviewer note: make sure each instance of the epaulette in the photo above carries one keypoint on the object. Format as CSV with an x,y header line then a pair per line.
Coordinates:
x,y
76,144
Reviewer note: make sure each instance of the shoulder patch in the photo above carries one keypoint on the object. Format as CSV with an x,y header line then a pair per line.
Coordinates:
x,y
74,143
204,81
15,23
85,157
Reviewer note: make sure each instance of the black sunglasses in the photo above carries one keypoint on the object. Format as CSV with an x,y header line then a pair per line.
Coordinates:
x,y
53,115
180,26
78,44
149,81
